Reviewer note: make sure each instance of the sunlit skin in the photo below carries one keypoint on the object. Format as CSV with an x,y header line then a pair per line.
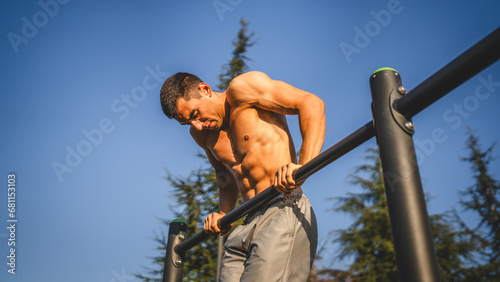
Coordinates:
x,y
244,133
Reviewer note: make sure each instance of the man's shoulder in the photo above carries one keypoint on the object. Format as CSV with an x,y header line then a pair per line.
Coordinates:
x,y
249,77
245,86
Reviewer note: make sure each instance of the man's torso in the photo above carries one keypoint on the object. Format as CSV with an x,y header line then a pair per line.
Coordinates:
x,y
253,145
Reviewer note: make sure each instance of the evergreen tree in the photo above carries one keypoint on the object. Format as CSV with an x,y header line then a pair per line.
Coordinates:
x,y
197,193
238,64
483,198
369,239
453,245
235,67
196,196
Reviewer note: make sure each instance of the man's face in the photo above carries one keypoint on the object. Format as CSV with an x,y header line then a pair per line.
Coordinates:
x,y
201,113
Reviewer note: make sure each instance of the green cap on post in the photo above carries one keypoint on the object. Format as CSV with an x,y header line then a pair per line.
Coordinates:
x,y
384,69
179,220
176,226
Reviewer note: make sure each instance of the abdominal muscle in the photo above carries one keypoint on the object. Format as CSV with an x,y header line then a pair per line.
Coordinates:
x,y
258,148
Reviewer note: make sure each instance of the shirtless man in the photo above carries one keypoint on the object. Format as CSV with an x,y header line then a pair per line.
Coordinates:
x,y
244,133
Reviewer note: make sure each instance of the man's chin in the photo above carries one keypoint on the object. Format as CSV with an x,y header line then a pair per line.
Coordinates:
x,y
213,127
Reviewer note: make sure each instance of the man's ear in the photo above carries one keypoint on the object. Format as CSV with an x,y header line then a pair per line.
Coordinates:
x,y
205,89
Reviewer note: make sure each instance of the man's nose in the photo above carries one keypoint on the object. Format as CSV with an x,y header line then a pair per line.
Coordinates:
x,y
197,124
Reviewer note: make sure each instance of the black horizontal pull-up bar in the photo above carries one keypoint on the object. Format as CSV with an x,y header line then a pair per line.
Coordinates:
x,y
175,252
471,62
349,143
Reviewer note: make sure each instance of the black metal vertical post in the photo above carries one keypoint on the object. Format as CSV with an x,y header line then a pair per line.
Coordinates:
x,y
415,252
174,262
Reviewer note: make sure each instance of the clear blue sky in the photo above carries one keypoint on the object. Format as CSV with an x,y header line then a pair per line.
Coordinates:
x,y
84,133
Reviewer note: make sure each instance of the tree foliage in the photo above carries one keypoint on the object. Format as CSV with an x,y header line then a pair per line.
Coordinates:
x,y
483,198
197,194
368,241
196,197
238,64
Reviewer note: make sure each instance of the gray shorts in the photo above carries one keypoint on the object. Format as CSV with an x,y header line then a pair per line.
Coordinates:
x,y
275,243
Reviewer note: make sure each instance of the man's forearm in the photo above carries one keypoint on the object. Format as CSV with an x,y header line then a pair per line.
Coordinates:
x,y
312,128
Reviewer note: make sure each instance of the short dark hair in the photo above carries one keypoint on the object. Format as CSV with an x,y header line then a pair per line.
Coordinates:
x,y
181,84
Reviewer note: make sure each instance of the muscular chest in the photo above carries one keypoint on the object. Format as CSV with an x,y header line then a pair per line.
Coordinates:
x,y
249,133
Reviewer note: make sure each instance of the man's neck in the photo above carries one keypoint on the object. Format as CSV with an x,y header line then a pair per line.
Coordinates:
x,y
224,108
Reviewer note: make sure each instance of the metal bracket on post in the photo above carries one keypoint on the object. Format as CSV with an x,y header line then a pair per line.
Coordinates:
x,y
177,259
394,96
174,262
401,120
